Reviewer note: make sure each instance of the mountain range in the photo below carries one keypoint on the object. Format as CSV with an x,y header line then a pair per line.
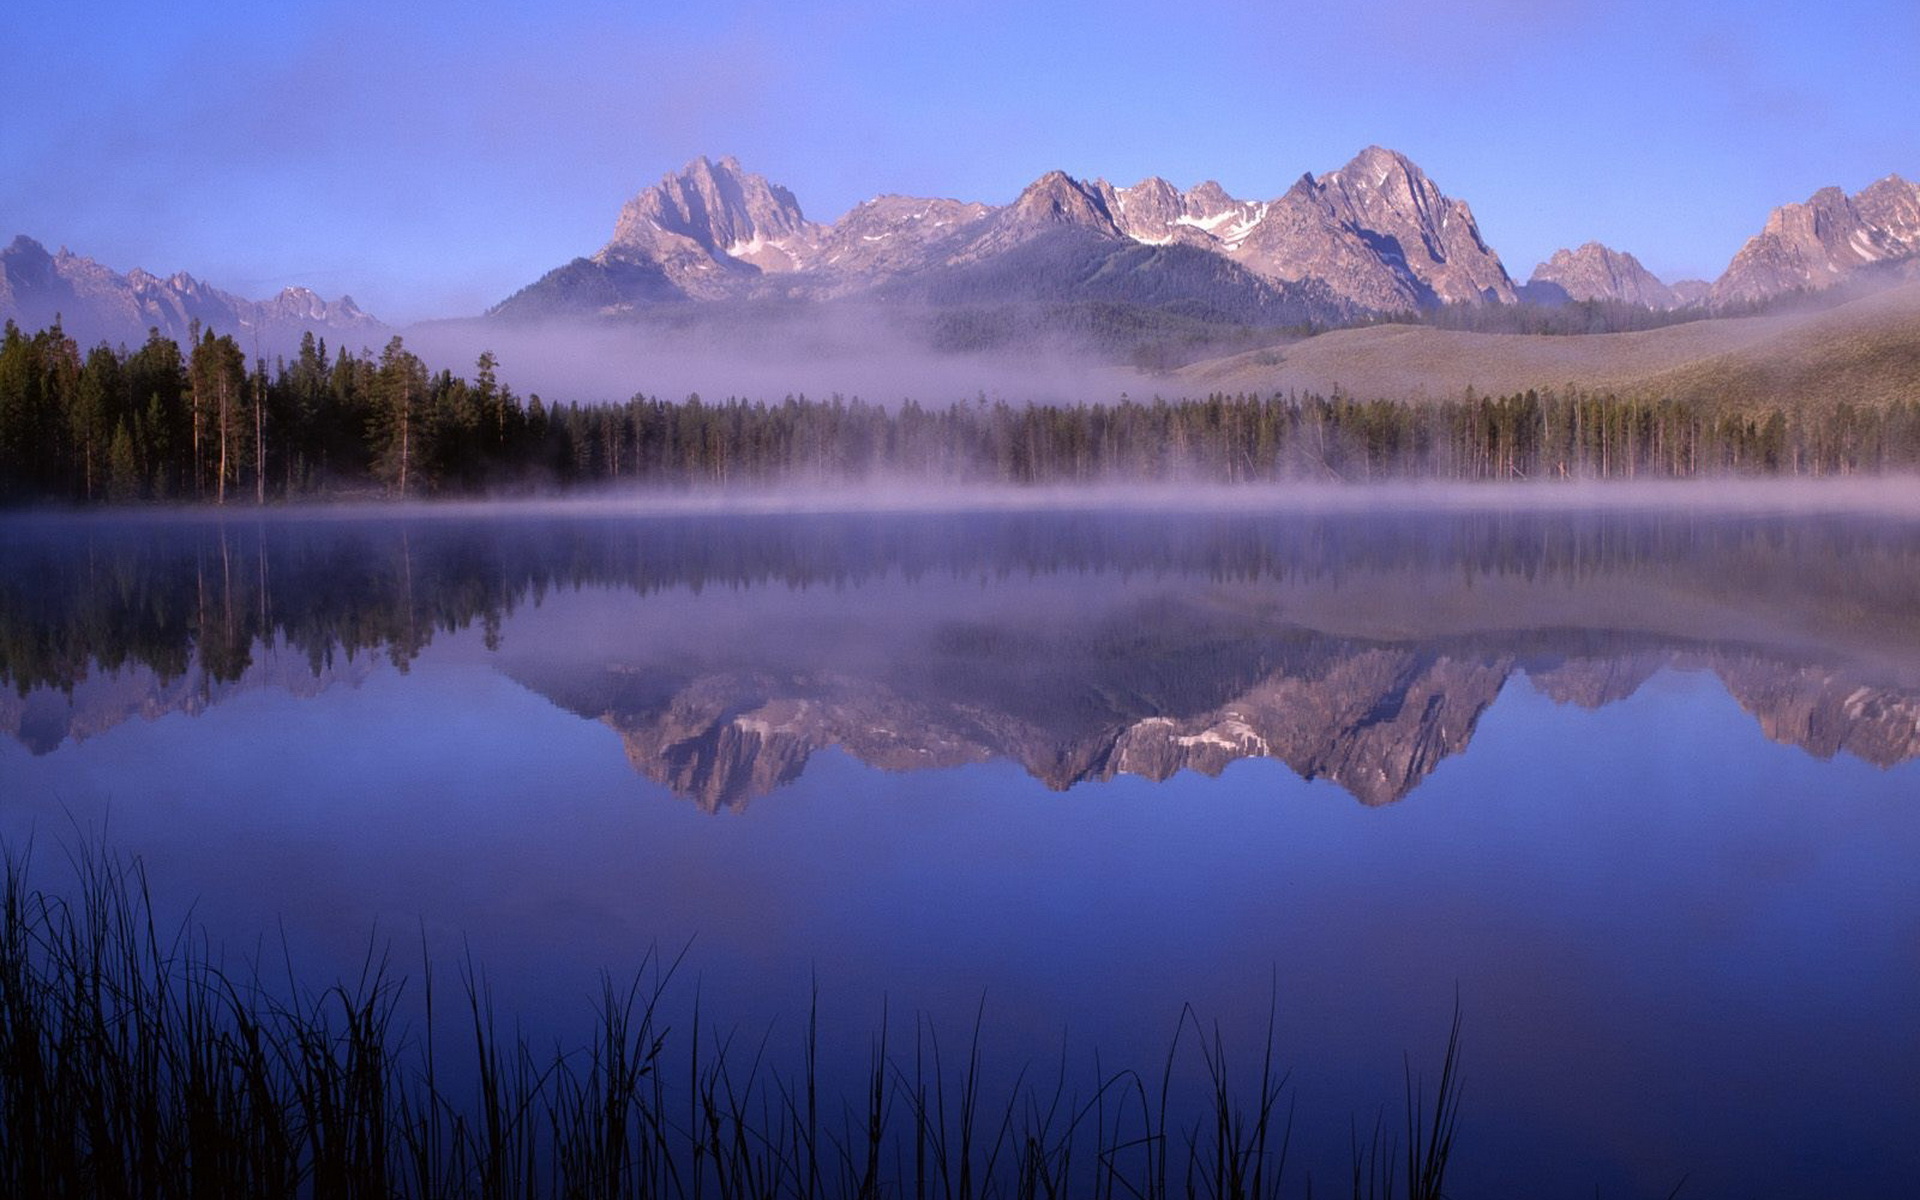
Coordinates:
x,y
1373,238
97,304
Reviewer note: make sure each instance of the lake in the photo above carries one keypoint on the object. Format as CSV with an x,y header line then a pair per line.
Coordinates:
x,y
1635,787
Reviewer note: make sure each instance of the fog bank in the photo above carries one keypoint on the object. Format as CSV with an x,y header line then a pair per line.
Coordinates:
x,y
768,353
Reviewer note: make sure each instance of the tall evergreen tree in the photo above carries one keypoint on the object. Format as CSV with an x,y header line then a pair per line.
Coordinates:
x,y
399,436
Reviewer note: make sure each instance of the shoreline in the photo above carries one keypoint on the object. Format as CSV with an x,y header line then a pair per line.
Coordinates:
x,y
1883,495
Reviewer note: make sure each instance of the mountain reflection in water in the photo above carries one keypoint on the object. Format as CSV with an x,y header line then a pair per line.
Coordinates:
x,y
726,650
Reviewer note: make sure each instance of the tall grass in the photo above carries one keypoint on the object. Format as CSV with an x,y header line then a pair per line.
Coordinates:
x,y
134,1062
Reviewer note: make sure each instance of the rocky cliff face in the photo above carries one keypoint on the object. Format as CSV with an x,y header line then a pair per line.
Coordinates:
x,y
1596,272
1821,242
95,303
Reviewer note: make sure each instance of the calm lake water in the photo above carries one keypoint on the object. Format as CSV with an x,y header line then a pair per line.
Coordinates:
x,y
1639,789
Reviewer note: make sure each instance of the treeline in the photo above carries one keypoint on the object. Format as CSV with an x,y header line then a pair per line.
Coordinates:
x,y
205,424
1569,318
158,423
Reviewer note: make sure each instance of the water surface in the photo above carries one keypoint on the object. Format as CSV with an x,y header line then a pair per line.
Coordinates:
x,y
1638,788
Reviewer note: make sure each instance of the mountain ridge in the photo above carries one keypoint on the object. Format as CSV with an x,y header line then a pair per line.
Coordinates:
x,y
95,303
1153,266
1374,237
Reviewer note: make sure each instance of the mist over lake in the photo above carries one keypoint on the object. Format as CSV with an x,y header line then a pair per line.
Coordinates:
x,y
1634,786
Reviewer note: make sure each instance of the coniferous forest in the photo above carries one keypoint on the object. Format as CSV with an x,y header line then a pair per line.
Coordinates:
x,y
201,423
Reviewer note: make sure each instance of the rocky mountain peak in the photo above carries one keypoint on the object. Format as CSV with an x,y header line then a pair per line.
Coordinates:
x,y
1387,188
24,263
1147,210
1057,198
1892,205
1210,196
1376,167
1817,243
1597,272
24,247
716,211
1155,212
1380,235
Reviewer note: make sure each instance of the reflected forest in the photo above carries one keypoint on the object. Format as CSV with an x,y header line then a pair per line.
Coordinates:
x,y
1358,648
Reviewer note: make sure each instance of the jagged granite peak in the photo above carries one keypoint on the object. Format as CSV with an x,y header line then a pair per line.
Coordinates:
x,y
1147,210
1052,206
295,303
1208,197
1057,198
1597,272
1892,205
94,303
1816,244
25,259
1380,235
724,211
1383,194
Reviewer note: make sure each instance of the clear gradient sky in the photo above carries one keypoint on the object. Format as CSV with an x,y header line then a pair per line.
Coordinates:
x,y
430,158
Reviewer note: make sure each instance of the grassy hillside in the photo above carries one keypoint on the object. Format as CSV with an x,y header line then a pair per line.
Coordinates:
x,y
1866,350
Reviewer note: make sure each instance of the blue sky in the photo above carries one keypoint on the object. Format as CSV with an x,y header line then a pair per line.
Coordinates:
x,y
432,158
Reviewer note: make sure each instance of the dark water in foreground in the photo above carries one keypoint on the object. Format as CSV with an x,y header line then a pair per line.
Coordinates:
x,y
1638,788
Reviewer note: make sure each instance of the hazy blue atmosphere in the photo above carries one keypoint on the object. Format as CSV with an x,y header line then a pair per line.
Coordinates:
x,y
431,160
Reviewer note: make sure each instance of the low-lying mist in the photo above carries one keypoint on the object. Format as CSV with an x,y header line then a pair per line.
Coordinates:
x,y
1891,497
767,352
1827,346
